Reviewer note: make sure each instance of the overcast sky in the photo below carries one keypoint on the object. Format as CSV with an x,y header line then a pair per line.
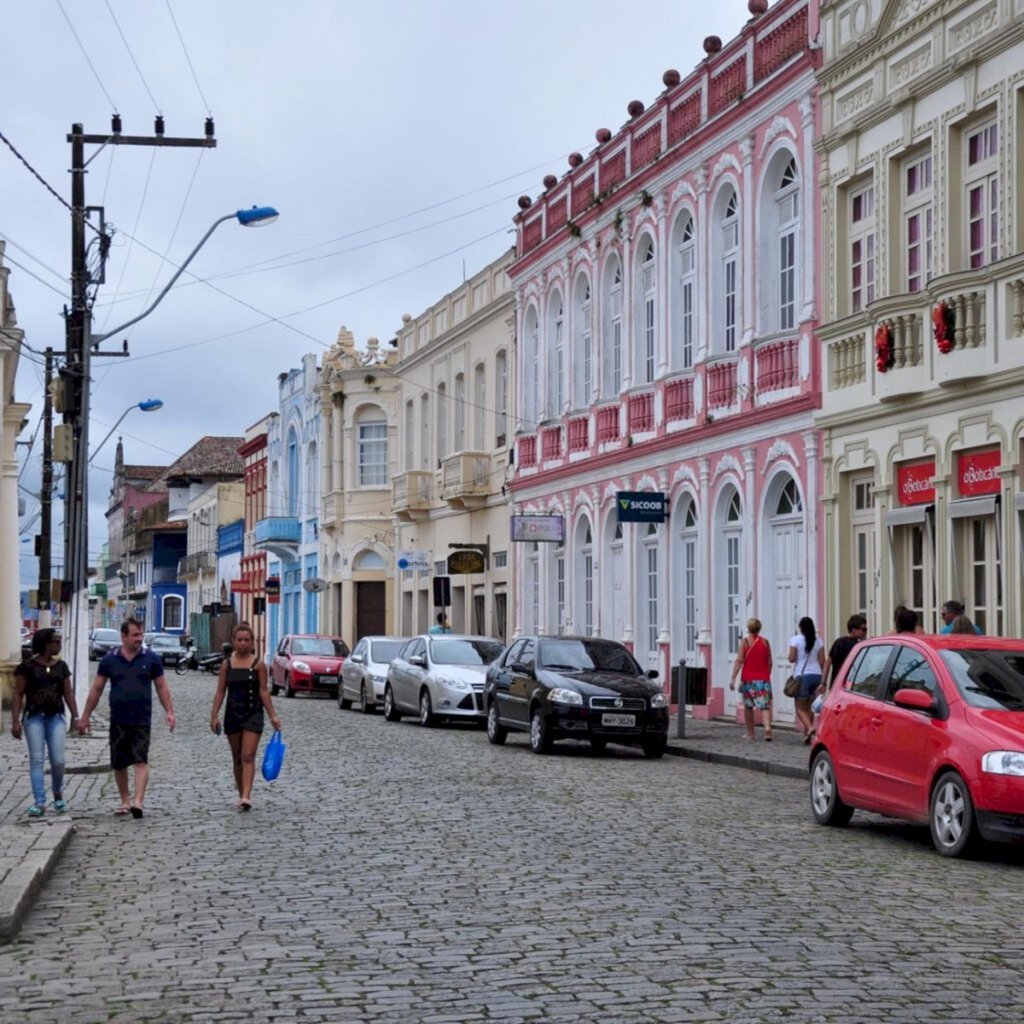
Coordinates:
x,y
350,118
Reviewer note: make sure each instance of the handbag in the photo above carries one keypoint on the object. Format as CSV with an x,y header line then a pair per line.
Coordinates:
x,y
273,756
792,687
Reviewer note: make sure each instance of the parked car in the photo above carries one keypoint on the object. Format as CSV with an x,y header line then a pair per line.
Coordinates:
x,y
440,676
365,672
103,641
929,729
168,647
556,687
307,661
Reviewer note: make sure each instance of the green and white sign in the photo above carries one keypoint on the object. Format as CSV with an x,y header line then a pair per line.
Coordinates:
x,y
641,506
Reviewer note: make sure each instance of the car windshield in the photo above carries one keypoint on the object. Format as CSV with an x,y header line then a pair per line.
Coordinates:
x,y
323,646
587,656
464,652
385,650
162,640
988,679
106,634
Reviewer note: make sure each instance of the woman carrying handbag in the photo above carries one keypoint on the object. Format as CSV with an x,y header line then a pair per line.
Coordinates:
x,y
807,648
754,667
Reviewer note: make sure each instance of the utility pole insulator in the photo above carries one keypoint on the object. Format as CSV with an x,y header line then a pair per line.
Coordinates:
x,y
115,124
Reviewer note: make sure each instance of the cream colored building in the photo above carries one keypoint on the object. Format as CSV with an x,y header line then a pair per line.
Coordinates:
x,y
358,392
454,442
12,415
922,111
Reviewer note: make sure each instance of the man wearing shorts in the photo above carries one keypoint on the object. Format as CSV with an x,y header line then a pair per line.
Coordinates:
x,y
133,673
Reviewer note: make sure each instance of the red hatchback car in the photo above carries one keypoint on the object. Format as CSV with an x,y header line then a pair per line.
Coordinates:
x,y
929,729
306,661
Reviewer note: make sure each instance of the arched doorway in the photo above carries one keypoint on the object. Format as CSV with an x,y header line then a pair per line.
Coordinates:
x,y
613,580
730,589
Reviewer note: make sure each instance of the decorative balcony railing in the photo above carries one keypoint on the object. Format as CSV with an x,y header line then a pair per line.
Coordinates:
x,y
679,400
608,423
412,491
197,562
579,434
968,311
777,365
279,529
640,413
551,443
465,475
527,452
721,382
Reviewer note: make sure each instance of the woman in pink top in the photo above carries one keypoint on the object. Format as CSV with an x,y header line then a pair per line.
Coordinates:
x,y
754,667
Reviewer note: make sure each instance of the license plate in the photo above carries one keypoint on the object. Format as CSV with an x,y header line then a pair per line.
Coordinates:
x,y
328,680
627,721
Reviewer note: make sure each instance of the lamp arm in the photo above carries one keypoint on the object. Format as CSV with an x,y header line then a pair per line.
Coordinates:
x,y
97,338
96,450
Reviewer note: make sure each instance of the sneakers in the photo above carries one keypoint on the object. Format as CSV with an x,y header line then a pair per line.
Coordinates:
x,y
36,811
59,806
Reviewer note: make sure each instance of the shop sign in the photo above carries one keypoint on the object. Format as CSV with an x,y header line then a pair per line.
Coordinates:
x,y
641,506
420,560
240,587
461,562
914,483
272,588
978,473
538,528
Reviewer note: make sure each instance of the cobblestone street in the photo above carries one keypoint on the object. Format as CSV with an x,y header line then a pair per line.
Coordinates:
x,y
398,874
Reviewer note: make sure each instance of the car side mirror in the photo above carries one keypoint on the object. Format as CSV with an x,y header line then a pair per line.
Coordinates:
x,y
916,700
418,659
522,669
356,658
652,673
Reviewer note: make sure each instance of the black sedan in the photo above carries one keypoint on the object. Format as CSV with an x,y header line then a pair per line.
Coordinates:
x,y
167,647
558,687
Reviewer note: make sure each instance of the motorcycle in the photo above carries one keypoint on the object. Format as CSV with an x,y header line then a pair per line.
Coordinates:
x,y
193,662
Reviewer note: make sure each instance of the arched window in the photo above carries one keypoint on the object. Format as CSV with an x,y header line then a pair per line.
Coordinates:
x,y
687,574
368,560
787,212
310,500
650,584
684,299
410,434
425,432
646,330
372,448
531,371
583,561
556,359
611,356
460,412
479,406
500,399
726,269
790,503
583,364
172,614
442,422
733,541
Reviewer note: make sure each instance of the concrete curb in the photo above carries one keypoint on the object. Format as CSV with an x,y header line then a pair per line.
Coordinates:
x,y
23,882
735,761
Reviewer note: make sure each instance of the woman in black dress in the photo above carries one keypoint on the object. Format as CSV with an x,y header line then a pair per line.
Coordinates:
x,y
243,679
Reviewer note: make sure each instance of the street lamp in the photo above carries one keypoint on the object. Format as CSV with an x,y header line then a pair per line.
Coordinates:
x,y
76,517
147,405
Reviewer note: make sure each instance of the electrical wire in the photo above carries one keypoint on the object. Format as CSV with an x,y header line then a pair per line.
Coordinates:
x,y
124,40
46,284
92,68
188,59
46,266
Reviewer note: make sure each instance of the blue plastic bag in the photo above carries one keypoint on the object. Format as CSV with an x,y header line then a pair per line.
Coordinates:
x,y
273,756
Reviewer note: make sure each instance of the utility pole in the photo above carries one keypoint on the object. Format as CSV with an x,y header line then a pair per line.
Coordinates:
x,y
80,352
46,496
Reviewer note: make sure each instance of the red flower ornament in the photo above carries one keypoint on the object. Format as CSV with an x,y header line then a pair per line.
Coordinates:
x,y
884,355
943,322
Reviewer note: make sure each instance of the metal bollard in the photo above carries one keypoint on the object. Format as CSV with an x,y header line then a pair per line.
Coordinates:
x,y
681,701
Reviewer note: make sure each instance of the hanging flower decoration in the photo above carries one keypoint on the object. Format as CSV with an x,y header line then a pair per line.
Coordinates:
x,y
943,322
884,355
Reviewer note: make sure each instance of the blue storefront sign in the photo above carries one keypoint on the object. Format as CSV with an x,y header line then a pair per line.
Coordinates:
x,y
641,506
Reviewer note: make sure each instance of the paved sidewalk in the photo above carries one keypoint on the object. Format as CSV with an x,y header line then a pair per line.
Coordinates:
x,y
724,742
31,848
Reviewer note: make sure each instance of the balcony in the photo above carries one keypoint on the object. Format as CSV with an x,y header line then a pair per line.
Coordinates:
x,y
679,400
197,563
528,452
465,479
411,494
984,318
721,383
165,574
776,369
280,535
608,424
640,413
551,444
329,510
579,434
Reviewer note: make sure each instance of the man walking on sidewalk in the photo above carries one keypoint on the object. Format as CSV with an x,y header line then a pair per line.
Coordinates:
x,y
133,673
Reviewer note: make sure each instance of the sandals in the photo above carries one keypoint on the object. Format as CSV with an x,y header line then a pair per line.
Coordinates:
x,y
245,805
767,735
122,811
136,812
808,738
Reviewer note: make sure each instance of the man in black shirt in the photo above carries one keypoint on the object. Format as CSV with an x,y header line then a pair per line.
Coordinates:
x,y
856,630
133,673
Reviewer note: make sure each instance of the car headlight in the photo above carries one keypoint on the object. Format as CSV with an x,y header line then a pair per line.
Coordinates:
x,y
454,684
377,679
658,701
1003,762
559,695
300,666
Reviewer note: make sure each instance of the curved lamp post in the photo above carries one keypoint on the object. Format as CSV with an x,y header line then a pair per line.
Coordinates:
x,y
147,405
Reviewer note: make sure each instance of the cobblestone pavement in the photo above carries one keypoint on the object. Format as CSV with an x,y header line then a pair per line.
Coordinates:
x,y
398,874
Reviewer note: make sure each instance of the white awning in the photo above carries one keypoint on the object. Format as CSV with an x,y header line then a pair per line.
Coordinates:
x,y
964,507
908,515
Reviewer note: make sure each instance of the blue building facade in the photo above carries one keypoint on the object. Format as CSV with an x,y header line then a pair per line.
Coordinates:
x,y
169,597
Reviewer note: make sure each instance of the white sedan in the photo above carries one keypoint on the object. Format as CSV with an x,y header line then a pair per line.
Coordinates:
x,y
439,676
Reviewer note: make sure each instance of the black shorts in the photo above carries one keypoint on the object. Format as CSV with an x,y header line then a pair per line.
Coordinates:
x,y
243,719
129,744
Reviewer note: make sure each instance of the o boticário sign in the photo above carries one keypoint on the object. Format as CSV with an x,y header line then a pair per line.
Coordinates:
x,y
544,529
641,506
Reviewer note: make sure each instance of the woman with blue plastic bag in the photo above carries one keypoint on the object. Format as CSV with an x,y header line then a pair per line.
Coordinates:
x,y
243,681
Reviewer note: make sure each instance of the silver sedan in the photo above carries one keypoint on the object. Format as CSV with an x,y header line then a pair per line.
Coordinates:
x,y
439,676
365,671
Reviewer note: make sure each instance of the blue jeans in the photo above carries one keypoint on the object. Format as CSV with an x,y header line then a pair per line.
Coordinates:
x,y
42,731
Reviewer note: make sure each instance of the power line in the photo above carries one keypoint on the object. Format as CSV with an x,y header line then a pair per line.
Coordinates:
x,y
45,284
142,77
46,266
188,59
81,46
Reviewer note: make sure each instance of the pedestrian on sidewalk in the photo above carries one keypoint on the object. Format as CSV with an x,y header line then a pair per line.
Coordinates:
x,y
440,624
42,687
243,679
856,630
955,620
133,673
754,667
807,655
904,620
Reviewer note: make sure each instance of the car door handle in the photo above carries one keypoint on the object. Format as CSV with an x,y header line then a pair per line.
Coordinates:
x,y
876,721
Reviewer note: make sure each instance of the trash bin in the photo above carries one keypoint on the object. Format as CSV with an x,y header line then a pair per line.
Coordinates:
x,y
696,686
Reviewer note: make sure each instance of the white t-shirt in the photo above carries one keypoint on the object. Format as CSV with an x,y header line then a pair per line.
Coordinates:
x,y
812,667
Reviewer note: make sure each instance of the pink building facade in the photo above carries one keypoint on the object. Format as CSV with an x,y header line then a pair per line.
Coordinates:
x,y
666,342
